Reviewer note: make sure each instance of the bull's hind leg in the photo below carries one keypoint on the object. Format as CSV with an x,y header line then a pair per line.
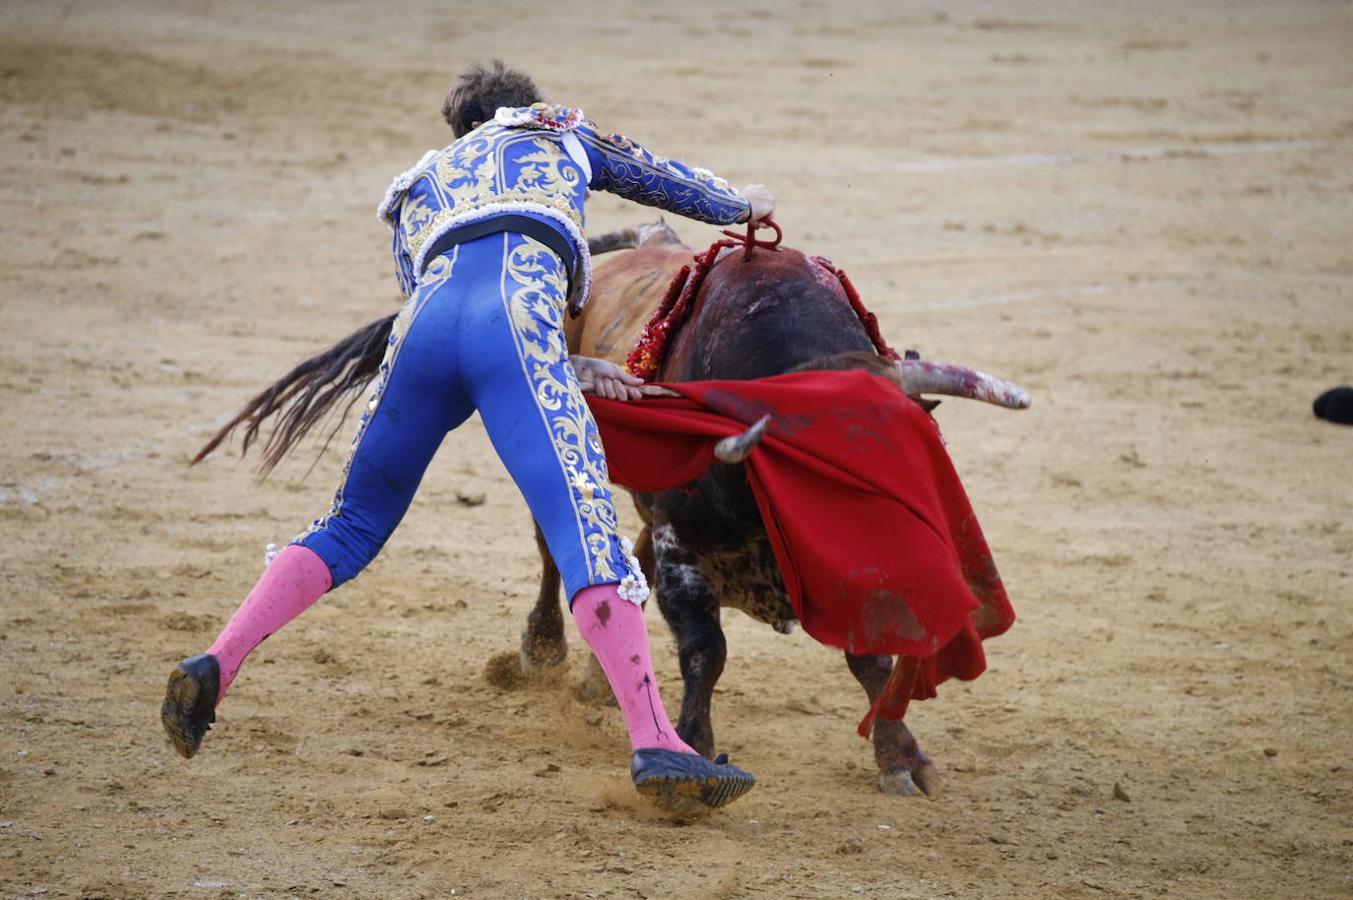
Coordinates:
x,y
903,767
692,611
543,643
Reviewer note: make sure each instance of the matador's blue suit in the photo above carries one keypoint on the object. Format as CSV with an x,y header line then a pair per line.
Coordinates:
x,y
489,245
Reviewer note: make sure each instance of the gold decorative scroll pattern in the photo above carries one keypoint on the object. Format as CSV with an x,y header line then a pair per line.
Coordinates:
x,y
485,170
534,294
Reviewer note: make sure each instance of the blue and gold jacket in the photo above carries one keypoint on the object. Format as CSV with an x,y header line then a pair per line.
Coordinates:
x,y
540,161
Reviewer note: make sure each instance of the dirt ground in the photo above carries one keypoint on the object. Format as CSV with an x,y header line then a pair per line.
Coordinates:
x,y
1139,211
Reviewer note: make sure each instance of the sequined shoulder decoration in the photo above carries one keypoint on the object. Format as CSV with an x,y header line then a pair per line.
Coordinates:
x,y
619,141
545,116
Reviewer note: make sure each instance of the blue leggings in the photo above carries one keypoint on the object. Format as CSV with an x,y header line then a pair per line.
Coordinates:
x,y
482,331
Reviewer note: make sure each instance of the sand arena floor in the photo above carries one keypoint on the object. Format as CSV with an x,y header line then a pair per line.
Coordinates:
x,y
1140,211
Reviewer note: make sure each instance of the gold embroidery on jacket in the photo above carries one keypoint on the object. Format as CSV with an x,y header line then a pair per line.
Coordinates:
x,y
476,177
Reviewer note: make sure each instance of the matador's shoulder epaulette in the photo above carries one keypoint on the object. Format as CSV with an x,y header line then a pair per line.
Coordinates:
x,y
545,116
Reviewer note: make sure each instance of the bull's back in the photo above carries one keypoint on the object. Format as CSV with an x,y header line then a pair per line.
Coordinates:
x,y
626,290
764,316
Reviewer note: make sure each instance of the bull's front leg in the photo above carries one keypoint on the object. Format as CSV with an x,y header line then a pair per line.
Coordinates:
x,y
692,611
903,767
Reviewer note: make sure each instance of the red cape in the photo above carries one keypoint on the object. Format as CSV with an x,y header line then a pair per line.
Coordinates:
x,y
878,546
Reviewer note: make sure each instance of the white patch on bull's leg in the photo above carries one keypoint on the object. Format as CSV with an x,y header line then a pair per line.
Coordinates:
x,y
664,538
668,549
691,609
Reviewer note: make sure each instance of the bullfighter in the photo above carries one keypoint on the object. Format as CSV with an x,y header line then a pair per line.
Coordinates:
x,y
490,253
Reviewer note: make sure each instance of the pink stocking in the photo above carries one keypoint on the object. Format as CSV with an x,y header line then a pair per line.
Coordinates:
x,y
295,579
614,629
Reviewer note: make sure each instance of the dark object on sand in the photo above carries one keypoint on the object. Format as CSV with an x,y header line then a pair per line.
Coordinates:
x,y
1336,405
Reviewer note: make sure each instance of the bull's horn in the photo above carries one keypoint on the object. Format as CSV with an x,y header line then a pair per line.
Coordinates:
x,y
624,239
923,377
737,448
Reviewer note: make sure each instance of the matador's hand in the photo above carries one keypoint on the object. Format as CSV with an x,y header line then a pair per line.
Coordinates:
x,y
605,379
763,204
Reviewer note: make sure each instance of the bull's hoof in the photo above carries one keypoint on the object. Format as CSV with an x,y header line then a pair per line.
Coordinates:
x,y
922,778
684,782
541,653
189,705
899,784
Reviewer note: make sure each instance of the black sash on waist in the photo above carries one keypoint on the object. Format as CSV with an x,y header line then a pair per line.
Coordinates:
x,y
532,228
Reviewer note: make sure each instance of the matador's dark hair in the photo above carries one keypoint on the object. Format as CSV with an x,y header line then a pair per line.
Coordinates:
x,y
478,93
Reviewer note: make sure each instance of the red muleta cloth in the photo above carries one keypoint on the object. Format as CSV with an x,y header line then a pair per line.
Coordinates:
x,y
878,546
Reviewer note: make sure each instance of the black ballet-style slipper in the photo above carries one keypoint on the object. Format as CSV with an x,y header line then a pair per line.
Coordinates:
x,y
189,705
1335,405
684,781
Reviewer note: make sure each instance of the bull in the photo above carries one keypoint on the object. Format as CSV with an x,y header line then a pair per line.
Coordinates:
x,y
705,546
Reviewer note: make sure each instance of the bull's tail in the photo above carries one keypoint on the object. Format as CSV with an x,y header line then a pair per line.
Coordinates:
x,y
306,394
